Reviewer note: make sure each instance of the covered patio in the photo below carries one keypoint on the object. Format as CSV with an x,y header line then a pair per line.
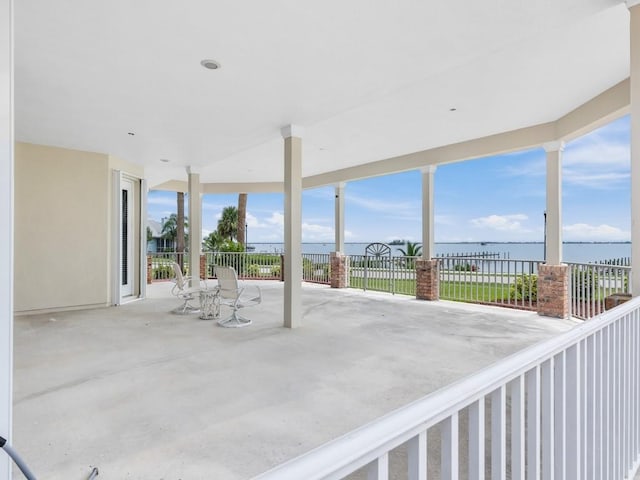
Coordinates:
x,y
142,393
103,101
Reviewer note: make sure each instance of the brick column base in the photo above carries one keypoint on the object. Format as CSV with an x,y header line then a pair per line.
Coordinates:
x,y
203,267
427,279
339,270
553,290
149,270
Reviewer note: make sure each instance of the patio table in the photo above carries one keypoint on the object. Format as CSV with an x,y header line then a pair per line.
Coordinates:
x,y
209,304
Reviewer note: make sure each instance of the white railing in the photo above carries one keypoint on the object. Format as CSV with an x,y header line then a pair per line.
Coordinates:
x,y
254,266
590,284
161,264
491,281
567,408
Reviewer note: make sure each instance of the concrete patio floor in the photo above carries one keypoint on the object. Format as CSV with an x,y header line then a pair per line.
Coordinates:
x,y
144,394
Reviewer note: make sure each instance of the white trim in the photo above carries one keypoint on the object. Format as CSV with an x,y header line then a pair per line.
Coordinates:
x,y
115,237
144,192
632,3
6,233
429,169
127,290
556,146
292,131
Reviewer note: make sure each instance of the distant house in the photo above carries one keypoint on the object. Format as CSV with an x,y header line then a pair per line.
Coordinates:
x,y
158,243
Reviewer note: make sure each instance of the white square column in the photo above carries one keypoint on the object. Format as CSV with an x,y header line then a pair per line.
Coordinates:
x,y
6,233
428,188
553,237
339,218
195,226
634,9
292,225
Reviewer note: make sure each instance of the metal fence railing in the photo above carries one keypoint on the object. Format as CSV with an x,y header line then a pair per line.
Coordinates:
x,y
490,281
567,408
256,266
590,284
161,264
316,268
383,274
472,255
463,278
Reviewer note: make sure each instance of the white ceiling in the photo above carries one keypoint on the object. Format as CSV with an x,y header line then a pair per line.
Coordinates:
x,y
367,79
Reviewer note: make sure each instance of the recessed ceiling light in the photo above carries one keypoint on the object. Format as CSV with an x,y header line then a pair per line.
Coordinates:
x,y
452,109
130,133
165,160
210,64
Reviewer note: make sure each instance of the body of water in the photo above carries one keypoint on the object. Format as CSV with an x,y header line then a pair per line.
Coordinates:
x,y
572,252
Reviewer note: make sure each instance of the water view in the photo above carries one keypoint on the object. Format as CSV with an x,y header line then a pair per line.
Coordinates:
x,y
572,252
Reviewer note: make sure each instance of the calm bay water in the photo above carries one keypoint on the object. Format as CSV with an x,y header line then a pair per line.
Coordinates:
x,y
572,252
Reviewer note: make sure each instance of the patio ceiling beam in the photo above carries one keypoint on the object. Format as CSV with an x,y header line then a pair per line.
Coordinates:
x,y
600,110
513,141
216,188
6,233
634,9
603,108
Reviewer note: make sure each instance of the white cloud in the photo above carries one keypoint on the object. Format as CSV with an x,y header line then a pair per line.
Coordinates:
x,y
314,233
501,222
252,221
276,218
162,201
212,206
585,232
595,179
598,150
384,206
445,220
598,160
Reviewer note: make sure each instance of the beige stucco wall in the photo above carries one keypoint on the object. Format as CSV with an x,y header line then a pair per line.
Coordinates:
x,y
61,228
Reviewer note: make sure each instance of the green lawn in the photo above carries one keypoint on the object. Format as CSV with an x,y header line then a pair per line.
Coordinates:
x,y
459,291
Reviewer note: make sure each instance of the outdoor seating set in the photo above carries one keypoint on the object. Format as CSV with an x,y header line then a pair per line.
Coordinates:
x,y
228,292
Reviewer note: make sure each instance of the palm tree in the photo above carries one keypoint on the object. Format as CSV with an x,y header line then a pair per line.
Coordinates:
x,y
242,217
228,223
170,228
180,228
212,242
413,250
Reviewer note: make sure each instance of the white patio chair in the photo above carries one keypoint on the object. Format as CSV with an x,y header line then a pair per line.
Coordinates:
x,y
185,293
235,296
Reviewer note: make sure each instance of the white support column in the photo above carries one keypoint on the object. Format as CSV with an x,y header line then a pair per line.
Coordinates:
x,y
339,218
195,225
292,225
634,9
428,246
6,233
553,237
144,196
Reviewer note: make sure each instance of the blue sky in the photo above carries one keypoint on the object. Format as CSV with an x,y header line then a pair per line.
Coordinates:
x,y
499,198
